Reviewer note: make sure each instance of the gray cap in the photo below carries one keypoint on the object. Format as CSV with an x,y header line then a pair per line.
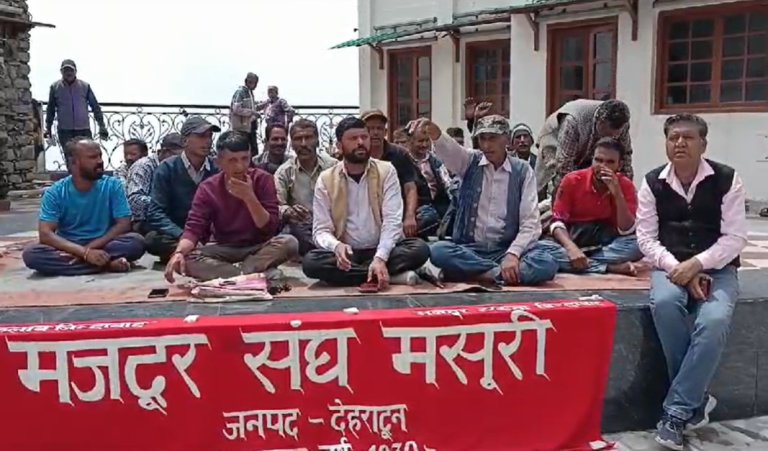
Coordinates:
x,y
172,141
494,124
68,64
197,125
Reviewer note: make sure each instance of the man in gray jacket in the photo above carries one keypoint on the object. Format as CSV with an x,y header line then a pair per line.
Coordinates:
x,y
69,98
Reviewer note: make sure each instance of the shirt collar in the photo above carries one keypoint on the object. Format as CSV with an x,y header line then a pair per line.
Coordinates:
x,y
188,164
507,166
704,171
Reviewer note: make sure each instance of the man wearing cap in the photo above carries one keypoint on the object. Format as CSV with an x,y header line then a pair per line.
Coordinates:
x,y
68,100
243,114
174,185
521,143
497,220
278,111
407,172
357,225
138,184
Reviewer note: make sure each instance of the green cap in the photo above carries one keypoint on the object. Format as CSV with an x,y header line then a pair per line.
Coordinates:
x,y
494,123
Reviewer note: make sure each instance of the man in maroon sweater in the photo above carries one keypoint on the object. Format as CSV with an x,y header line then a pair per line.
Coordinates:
x,y
240,205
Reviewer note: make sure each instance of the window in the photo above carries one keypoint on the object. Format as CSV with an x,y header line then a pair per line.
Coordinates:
x,y
488,73
582,62
713,59
410,85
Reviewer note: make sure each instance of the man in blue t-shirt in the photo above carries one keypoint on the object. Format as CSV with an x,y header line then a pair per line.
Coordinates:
x,y
84,221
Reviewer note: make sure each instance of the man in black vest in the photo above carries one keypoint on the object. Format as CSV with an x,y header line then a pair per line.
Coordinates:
x,y
691,224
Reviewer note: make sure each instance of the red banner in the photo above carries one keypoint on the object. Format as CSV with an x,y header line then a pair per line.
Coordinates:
x,y
504,377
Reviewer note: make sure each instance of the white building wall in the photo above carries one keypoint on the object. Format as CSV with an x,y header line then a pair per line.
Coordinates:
x,y
736,139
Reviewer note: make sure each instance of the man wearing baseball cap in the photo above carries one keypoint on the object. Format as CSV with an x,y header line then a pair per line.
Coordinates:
x,y
138,184
407,172
175,183
497,224
68,101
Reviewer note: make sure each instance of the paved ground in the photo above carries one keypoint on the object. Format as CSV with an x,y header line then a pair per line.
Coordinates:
x,y
751,434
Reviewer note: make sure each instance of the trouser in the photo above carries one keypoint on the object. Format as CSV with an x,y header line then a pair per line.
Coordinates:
x,y
408,255
66,136
219,261
253,138
465,262
50,261
161,245
692,354
303,234
427,221
622,249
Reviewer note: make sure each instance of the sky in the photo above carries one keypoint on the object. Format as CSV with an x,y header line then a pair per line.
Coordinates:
x,y
196,51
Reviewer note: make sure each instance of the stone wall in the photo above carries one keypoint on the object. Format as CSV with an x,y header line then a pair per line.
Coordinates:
x,y
18,124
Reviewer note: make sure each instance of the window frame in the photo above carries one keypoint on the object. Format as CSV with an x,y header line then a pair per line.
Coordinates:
x,y
415,53
553,55
500,44
664,21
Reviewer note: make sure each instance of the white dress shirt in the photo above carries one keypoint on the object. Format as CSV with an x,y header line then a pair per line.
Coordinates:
x,y
492,207
361,229
733,225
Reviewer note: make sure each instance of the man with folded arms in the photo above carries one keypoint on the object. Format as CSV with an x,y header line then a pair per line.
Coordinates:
x,y
497,220
84,221
174,185
358,219
594,217
240,205
295,182
691,224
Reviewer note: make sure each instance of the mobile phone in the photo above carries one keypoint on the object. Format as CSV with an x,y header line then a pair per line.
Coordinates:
x,y
158,293
706,286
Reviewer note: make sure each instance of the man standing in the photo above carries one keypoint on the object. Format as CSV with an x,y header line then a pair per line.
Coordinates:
x,y
84,221
138,186
174,185
407,173
239,206
358,213
594,217
295,182
278,111
243,115
521,143
497,220
569,135
435,183
276,142
691,224
133,150
68,100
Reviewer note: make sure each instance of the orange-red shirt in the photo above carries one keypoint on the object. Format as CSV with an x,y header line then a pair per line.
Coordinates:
x,y
577,200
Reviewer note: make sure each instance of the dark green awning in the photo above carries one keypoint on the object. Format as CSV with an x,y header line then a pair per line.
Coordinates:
x,y
383,37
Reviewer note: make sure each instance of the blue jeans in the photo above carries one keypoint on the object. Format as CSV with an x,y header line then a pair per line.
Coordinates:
x,y
427,220
692,354
623,249
52,262
463,262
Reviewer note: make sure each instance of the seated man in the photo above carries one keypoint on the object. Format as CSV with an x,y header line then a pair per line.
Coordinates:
x,y
174,184
240,206
435,182
295,182
691,224
139,183
358,223
407,173
275,147
456,133
497,220
133,151
521,143
84,221
594,217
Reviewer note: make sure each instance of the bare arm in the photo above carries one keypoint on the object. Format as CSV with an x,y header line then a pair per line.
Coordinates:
x,y
47,235
411,199
121,227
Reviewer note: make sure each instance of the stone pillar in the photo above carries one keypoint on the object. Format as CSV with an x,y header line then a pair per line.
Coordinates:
x,y
18,126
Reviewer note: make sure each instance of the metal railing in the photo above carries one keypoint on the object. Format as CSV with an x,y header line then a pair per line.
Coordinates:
x,y
152,121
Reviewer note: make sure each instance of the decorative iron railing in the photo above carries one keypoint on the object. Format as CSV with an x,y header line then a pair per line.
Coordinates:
x,y
152,121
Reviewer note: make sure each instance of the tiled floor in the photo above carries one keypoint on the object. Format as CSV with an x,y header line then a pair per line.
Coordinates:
x,y
738,435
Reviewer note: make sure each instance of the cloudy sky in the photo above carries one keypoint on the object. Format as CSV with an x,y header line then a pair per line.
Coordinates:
x,y
196,51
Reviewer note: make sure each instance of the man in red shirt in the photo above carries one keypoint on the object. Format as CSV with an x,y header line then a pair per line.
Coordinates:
x,y
593,218
240,205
